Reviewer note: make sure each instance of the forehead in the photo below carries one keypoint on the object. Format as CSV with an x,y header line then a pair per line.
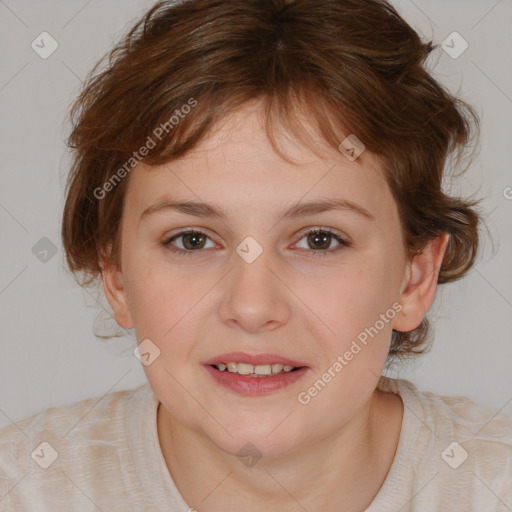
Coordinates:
x,y
237,168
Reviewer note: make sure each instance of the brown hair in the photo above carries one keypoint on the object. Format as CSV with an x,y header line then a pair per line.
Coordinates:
x,y
351,66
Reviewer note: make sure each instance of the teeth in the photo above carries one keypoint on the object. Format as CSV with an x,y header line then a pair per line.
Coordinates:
x,y
276,368
261,369
232,367
258,370
245,369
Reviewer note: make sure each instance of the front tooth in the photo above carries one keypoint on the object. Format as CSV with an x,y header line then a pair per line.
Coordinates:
x,y
245,369
232,367
263,369
259,369
276,368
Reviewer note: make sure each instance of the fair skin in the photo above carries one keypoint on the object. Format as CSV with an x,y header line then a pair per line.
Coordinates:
x,y
339,447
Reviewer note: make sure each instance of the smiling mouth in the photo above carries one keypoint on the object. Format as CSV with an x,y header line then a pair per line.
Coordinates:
x,y
253,380
258,370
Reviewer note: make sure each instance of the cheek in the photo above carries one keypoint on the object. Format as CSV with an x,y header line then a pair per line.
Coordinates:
x,y
355,296
167,305
358,309
154,294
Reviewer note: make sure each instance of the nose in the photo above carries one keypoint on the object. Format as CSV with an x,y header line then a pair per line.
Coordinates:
x,y
254,298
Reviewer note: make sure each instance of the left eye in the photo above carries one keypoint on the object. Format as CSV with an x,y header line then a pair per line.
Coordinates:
x,y
319,239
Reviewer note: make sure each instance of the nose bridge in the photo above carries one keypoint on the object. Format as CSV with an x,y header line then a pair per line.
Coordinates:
x,y
255,297
251,273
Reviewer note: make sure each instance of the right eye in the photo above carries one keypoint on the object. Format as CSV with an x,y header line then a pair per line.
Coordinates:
x,y
192,241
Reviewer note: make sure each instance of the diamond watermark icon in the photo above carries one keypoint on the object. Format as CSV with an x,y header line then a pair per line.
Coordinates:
x,y
454,455
146,352
249,249
249,454
455,45
44,45
351,147
44,455
44,250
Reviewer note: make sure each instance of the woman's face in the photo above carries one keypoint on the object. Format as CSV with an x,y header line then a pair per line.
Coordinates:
x,y
254,282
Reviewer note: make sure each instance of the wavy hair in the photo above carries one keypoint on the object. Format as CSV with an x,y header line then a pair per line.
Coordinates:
x,y
349,66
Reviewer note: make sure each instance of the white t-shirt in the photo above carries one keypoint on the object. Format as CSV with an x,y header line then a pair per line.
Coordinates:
x,y
103,454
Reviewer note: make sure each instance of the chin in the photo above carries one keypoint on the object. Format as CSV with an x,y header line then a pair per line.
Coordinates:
x,y
256,443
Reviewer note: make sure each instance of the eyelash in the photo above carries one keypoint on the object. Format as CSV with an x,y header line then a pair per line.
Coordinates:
x,y
315,253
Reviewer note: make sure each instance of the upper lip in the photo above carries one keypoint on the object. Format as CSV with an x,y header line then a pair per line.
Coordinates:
x,y
242,357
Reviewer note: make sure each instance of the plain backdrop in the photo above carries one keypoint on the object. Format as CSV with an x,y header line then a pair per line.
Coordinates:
x,y
49,354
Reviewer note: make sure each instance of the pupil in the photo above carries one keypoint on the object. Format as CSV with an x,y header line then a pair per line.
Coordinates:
x,y
320,237
194,237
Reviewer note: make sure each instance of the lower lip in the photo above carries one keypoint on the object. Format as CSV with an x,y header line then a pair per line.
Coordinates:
x,y
253,386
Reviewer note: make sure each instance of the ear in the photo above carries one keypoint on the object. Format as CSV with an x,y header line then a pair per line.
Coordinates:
x,y
114,289
420,284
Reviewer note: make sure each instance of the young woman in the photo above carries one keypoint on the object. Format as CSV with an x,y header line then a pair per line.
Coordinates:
x,y
257,184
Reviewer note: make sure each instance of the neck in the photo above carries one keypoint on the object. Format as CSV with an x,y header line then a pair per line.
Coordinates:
x,y
348,467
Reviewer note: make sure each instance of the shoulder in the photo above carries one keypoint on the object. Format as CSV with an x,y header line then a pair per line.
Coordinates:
x,y
469,444
454,447
477,426
454,415
37,451
78,418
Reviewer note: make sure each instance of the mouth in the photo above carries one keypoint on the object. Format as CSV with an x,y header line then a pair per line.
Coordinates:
x,y
254,374
258,370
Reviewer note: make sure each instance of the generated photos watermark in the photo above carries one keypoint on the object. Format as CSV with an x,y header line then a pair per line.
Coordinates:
x,y
115,179
304,397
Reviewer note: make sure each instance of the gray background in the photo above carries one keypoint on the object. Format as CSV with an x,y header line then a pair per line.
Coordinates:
x,y
49,355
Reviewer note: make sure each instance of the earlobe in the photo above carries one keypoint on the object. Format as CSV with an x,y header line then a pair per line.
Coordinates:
x,y
115,292
420,284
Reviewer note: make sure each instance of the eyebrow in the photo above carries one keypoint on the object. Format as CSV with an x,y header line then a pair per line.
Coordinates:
x,y
298,209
